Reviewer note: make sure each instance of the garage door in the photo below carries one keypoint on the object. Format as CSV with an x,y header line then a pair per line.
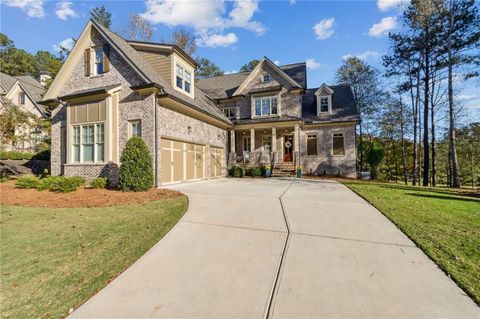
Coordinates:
x,y
217,160
182,161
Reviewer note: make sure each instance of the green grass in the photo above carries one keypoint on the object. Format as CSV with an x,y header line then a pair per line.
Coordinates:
x,y
444,223
56,259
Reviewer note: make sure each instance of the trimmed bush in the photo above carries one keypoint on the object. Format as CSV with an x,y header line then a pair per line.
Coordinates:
x,y
236,171
136,170
256,171
63,184
27,182
15,155
99,183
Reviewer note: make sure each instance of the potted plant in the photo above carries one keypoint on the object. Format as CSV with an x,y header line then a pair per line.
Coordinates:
x,y
268,170
299,171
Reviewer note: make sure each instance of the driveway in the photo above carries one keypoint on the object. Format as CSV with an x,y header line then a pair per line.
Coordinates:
x,y
256,248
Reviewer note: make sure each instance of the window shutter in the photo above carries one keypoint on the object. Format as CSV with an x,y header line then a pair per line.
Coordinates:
x,y
87,61
106,57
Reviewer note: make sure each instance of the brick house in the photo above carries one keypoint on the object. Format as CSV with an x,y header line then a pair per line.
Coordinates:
x,y
110,89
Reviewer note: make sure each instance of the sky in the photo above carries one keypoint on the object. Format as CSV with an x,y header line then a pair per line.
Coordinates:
x,y
231,33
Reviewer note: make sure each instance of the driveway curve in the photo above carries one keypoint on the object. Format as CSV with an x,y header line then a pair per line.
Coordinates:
x,y
280,248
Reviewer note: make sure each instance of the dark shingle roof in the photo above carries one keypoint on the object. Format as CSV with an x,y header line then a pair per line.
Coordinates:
x,y
343,106
222,87
201,101
31,85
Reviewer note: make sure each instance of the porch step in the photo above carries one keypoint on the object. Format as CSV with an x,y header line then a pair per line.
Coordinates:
x,y
285,166
283,170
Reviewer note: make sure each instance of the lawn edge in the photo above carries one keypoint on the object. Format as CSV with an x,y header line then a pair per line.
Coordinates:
x,y
451,276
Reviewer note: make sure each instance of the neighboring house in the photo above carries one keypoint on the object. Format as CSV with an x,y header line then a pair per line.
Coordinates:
x,y
110,89
24,92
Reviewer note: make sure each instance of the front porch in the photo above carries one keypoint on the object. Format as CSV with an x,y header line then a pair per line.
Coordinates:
x,y
275,145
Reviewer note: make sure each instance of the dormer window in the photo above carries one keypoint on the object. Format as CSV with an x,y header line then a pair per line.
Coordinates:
x,y
183,78
324,104
266,78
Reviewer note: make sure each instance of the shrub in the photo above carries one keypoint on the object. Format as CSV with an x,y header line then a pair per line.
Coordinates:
x,y
374,158
61,184
15,155
43,155
236,171
136,170
256,171
27,182
99,183
248,171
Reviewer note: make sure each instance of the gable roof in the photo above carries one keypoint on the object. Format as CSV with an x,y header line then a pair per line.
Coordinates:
x,y
224,86
323,88
144,69
343,106
33,87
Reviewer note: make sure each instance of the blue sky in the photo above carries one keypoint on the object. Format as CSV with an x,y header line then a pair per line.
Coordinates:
x,y
232,33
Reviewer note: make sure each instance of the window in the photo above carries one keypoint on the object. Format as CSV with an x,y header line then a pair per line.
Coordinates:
x,y
21,98
229,112
76,144
324,104
183,78
247,144
338,144
267,143
266,106
266,78
98,66
89,143
135,128
311,145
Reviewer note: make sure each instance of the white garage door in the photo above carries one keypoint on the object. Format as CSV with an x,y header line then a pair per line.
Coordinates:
x,y
182,161
217,162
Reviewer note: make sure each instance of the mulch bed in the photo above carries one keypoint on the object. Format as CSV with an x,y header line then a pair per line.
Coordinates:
x,y
83,197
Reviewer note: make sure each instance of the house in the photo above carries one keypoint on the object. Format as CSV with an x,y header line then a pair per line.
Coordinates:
x,y
110,89
26,93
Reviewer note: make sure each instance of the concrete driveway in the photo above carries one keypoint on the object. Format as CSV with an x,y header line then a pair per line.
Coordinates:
x,y
256,248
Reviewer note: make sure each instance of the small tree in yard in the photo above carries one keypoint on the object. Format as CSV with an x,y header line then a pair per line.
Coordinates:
x,y
374,158
136,171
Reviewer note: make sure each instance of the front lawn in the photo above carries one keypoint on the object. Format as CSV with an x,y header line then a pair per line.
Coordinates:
x,y
54,259
444,223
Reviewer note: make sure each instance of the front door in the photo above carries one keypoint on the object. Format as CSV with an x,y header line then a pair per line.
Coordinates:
x,y
288,148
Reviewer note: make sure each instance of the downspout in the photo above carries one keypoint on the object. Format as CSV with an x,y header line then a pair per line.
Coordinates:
x,y
156,139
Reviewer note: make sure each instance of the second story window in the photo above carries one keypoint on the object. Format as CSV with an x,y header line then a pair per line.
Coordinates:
x,y
265,106
266,77
97,60
21,98
183,78
323,104
229,112
98,65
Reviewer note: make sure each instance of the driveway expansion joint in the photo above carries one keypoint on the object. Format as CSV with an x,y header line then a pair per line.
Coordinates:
x,y
271,303
235,227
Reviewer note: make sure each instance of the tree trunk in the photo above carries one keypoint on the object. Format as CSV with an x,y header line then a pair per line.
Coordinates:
x,y
432,115
426,104
360,142
395,162
415,116
402,132
451,111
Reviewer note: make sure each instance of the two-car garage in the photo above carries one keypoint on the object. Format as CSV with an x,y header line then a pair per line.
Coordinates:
x,y
186,161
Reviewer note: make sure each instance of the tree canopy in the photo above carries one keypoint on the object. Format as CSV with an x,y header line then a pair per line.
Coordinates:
x,y
249,66
207,68
102,16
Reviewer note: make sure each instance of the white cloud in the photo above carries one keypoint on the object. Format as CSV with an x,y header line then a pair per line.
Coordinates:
x,y
64,10
67,44
230,72
209,19
386,5
217,40
312,64
276,62
292,2
467,97
363,56
242,14
33,8
324,28
383,27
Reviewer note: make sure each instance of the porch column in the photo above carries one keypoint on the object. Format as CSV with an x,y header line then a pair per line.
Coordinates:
x,y
297,144
232,141
252,140
274,139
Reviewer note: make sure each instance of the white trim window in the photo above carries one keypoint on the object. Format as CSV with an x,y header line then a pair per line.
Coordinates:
x,y
135,128
183,78
21,98
266,106
98,61
89,143
266,78
338,144
324,104
229,112
247,144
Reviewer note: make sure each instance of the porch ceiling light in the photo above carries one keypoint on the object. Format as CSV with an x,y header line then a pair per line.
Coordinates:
x,y
189,129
